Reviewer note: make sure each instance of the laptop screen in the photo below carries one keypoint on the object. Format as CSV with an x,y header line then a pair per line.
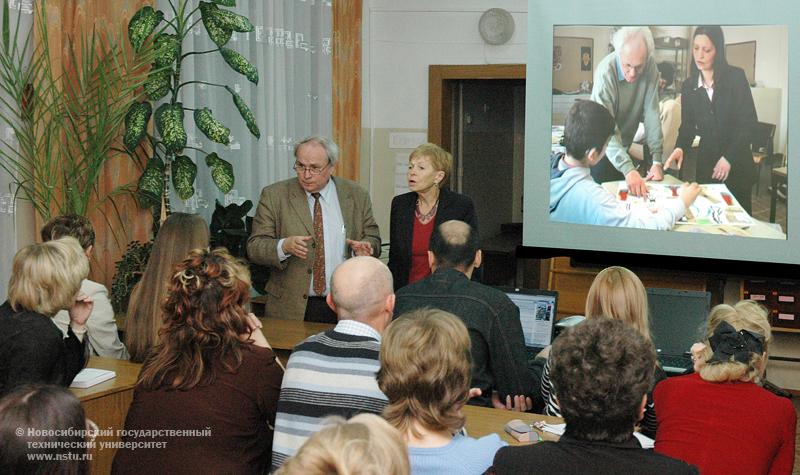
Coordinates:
x,y
677,318
537,314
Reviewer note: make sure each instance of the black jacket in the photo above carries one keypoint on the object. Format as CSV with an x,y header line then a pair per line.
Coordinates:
x,y
725,125
499,358
33,350
452,205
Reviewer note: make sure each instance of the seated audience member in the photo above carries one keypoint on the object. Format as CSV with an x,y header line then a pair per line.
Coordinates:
x,y
719,418
365,445
602,369
213,376
333,373
45,278
576,198
499,357
425,373
617,293
60,437
178,235
102,336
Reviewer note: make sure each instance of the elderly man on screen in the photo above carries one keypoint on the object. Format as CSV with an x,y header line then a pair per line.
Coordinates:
x,y
626,83
305,227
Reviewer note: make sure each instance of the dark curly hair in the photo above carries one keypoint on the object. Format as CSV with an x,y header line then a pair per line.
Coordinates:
x,y
204,320
601,369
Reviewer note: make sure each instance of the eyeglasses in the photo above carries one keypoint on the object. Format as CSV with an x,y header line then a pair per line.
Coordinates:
x,y
313,170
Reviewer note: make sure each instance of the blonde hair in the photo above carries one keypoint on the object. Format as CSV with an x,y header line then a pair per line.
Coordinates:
x,y
745,315
619,294
364,445
440,158
425,371
180,233
46,277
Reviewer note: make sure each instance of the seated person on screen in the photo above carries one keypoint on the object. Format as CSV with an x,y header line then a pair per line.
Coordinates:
x,y
720,418
425,373
365,444
602,369
574,195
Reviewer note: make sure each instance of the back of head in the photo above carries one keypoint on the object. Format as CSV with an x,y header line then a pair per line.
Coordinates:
x,y
364,445
616,292
440,158
454,244
631,34
667,72
601,368
359,288
425,370
737,343
39,411
589,126
179,234
46,277
204,318
73,225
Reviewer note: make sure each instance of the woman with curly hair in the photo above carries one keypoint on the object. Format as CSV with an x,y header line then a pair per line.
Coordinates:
x,y
425,374
720,418
207,394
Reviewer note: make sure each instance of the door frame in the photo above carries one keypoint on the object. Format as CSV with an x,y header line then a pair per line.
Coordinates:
x,y
441,88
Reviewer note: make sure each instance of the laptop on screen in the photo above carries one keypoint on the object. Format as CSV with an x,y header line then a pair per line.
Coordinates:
x,y
537,314
677,321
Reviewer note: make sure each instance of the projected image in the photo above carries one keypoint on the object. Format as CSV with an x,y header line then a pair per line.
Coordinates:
x,y
679,128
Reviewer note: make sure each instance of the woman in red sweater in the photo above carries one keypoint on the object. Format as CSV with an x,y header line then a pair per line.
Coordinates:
x,y
719,418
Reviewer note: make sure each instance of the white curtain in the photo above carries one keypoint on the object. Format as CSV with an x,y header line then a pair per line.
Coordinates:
x,y
292,49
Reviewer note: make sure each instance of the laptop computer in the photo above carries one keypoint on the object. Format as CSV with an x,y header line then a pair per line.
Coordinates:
x,y
537,314
677,321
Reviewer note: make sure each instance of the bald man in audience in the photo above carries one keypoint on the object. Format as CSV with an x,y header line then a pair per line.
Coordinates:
x,y
333,373
500,366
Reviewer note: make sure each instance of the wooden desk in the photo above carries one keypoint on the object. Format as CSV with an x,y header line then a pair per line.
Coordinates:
x,y
283,335
107,405
779,177
483,421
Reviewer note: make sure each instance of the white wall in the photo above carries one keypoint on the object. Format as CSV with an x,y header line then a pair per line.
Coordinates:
x,y
400,40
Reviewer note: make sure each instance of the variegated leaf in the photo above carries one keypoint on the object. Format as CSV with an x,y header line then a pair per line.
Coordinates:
x,y
136,124
184,171
169,123
221,172
210,126
142,25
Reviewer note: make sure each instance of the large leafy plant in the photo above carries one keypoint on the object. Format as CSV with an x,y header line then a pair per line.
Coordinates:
x,y
62,116
165,146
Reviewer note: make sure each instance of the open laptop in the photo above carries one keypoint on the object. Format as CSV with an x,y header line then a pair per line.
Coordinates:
x,y
537,314
677,321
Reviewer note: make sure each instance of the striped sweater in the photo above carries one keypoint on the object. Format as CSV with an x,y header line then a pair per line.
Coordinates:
x,y
331,373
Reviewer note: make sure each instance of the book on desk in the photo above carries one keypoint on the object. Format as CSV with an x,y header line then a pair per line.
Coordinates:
x,y
89,377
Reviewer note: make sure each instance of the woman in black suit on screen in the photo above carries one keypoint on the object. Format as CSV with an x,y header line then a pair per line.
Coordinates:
x,y
416,213
717,105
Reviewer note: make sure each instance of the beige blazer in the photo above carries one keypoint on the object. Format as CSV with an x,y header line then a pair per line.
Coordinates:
x,y
282,212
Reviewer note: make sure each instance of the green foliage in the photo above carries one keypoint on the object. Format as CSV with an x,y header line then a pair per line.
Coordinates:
x,y
184,171
210,126
136,124
164,82
221,172
169,122
245,112
168,48
128,272
142,24
240,64
65,114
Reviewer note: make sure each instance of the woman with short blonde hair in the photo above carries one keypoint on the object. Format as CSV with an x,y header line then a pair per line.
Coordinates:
x,y
415,214
619,294
45,278
364,445
425,373
701,415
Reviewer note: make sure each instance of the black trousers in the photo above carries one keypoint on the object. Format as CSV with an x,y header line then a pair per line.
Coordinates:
x,y
317,310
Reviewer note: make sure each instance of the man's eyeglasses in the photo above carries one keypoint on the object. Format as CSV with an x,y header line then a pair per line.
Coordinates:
x,y
313,170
